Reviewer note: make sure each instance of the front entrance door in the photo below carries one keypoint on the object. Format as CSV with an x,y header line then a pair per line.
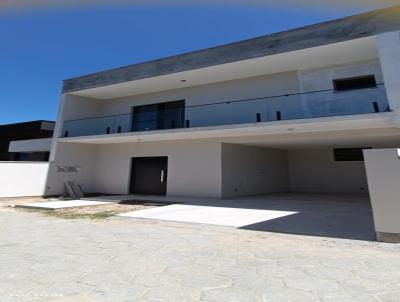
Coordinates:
x,y
149,175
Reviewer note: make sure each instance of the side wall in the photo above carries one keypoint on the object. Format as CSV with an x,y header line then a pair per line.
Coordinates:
x,y
23,179
315,170
383,169
322,78
250,170
389,54
206,168
194,168
73,107
80,156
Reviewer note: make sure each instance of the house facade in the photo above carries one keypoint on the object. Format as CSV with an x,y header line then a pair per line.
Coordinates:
x,y
27,141
287,112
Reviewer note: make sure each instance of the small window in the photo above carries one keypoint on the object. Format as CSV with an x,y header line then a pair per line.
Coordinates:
x,y
354,83
349,154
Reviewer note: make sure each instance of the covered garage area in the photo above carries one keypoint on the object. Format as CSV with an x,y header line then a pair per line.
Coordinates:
x,y
319,176
254,170
328,162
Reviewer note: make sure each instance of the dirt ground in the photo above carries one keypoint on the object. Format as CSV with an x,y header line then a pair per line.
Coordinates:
x,y
96,212
12,201
89,212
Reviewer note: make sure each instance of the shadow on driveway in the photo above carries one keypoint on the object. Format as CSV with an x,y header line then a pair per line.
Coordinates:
x,y
327,215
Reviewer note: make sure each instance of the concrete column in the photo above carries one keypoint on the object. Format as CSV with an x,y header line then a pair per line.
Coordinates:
x,y
383,174
389,54
57,129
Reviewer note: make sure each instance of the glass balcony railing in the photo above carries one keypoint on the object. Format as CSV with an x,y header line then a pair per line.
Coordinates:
x,y
306,105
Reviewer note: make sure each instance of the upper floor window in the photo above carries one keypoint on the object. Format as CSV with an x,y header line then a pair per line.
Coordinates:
x,y
354,83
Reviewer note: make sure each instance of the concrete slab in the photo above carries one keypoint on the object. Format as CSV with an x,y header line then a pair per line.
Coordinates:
x,y
234,217
52,205
154,198
328,215
110,198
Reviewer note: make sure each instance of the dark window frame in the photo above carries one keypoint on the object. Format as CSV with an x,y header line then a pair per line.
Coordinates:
x,y
349,154
344,84
39,156
161,110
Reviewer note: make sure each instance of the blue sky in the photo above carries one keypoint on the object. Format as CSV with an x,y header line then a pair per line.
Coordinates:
x,y
40,48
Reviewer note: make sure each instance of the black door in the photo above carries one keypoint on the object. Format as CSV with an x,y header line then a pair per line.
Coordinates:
x,y
149,175
159,116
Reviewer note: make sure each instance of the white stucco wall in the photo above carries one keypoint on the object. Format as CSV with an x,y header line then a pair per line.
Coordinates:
x,y
322,78
194,167
75,107
31,145
314,170
248,170
23,178
209,168
389,54
383,171
328,103
81,156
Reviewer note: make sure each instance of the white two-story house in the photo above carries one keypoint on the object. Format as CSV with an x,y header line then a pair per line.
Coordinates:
x,y
287,112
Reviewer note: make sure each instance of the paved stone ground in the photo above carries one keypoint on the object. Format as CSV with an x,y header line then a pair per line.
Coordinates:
x,y
52,259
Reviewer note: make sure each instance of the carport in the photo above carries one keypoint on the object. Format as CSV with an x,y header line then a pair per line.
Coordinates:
x,y
300,162
293,183
257,170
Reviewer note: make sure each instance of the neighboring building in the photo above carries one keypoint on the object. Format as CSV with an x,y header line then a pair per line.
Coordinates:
x,y
28,141
287,112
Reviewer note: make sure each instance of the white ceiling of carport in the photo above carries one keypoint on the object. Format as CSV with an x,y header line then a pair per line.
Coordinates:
x,y
382,138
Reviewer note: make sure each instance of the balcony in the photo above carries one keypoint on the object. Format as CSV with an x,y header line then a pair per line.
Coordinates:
x,y
307,105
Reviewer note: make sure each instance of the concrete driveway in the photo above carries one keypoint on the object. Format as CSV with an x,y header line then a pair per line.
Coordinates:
x,y
51,259
328,215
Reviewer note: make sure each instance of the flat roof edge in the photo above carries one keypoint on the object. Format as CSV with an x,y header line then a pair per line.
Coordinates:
x,y
335,31
27,122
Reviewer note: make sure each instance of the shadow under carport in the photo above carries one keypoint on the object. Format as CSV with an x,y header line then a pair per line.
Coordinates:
x,y
338,216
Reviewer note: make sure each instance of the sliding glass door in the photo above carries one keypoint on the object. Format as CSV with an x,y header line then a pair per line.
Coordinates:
x,y
159,116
